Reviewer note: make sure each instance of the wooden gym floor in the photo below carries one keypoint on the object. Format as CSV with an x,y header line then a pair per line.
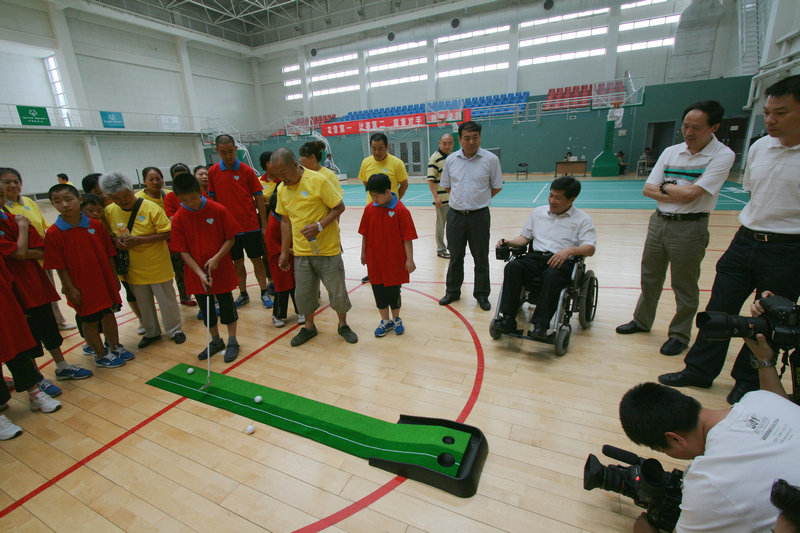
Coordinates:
x,y
121,455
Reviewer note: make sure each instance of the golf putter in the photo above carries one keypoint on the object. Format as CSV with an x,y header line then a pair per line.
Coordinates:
x,y
208,336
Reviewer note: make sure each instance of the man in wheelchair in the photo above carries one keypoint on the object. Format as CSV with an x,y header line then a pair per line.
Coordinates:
x,y
558,232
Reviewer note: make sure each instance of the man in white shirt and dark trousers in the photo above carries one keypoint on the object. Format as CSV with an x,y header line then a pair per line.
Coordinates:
x,y
472,176
765,252
685,182
559,232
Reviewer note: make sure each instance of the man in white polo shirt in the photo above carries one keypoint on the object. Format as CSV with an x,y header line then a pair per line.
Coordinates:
x,y
685,182
559,231
765,253
472,176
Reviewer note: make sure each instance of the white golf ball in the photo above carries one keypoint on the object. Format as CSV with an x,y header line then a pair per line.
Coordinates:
x,y
249,429
190,370
257,399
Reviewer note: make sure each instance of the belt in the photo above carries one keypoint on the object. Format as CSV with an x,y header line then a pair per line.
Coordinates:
x,y
681,216
468,212
770,237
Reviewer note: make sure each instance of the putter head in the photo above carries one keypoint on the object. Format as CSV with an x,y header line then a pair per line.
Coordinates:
x,y
206,385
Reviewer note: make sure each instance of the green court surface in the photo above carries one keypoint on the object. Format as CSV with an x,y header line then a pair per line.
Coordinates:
x,y
595,194
424,449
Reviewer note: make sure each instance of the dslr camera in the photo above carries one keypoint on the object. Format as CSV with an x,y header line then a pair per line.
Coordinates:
x,y
780,324
644,481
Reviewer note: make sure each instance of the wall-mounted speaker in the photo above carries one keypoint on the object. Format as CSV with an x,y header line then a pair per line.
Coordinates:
x,y
455,23
390,36
548,4
313,52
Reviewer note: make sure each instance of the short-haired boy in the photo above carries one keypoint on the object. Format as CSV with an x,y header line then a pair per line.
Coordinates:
x,y
203,232
35,293
88,279
387,231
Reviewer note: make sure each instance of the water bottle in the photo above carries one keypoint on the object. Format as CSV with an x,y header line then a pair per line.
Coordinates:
x,y
123,230
315,249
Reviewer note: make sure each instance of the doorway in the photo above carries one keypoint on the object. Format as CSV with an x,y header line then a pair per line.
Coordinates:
x,y
659,136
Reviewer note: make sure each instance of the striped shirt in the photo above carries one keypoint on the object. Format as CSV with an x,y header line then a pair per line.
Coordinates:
x,y
435,164
708,169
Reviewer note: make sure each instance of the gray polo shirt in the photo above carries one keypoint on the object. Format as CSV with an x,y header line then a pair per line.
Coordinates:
x,y
471,180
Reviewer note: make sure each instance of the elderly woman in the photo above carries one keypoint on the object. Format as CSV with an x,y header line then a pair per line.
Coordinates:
x,y
150,272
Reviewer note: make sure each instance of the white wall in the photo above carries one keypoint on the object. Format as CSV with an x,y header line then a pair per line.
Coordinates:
x,y
24,80
39,162
128,154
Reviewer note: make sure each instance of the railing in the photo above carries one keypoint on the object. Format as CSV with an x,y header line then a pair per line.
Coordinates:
x,y
19,116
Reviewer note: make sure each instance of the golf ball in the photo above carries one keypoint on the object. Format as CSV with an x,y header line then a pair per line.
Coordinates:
x,y
258,399
190,370
249,429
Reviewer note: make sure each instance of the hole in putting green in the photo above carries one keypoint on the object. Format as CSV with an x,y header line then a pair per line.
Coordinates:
x,y
446,460
448,440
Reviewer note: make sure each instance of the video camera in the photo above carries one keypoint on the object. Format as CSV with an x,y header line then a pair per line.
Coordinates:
x,y
644,481
780,324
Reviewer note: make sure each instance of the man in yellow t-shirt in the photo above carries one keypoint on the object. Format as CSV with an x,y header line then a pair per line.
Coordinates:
x,y
20,205
64,180
382,162
309,207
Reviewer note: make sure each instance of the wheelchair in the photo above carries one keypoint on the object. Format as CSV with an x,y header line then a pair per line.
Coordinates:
x,y
579,296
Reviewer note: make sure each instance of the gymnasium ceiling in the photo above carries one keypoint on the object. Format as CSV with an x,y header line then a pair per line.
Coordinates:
x,y
256,23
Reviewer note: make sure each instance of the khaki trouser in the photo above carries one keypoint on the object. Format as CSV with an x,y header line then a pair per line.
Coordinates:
x,y
681,245
441,220
167,303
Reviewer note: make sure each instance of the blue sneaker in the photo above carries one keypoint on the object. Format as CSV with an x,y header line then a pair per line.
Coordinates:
x,y
73,372
88,350
266,300
399,329
241,300
47,387
120,351
383,328
109,360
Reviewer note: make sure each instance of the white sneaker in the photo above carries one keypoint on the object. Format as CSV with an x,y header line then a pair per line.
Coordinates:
x,y
8,429
277,322
40,401
140,330
301,319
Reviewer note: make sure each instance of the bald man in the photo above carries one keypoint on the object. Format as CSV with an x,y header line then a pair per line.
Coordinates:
x,y
440,195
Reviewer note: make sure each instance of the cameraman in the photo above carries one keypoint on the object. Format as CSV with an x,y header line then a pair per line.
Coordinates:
x,y
558,231
738,452
764,355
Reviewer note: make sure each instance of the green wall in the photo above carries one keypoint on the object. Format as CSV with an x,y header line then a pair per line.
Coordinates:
x,y
542,144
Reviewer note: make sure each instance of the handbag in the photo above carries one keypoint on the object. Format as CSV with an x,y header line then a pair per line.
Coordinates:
x,y
123,259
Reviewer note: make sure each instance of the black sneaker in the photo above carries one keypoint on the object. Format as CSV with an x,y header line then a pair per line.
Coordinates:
x,y
231,352
147,341
241,300
215,346
348,334
179,338
303,336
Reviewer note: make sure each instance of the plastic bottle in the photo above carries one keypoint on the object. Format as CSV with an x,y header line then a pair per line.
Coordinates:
x,y
123,230
315,249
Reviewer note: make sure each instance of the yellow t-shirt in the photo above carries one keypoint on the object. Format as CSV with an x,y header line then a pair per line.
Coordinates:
x,y
269,188
391,166
150,262
28,208
158,201
306,202
332,177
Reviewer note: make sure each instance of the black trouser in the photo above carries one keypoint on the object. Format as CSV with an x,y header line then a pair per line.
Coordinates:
x,y
280,305
386,296
227,311
44,328
472,229
748,264
521,272
23,370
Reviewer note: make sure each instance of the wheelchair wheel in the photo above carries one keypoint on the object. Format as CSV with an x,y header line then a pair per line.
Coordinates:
x,y
562,339
493,331
587,301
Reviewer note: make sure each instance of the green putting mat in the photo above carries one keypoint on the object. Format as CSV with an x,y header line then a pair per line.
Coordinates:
x,y
413,445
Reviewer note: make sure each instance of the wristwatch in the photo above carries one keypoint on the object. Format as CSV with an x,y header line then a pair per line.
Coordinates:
x,y
319,227
759,363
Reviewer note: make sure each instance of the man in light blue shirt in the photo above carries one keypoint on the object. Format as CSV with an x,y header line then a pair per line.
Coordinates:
x,y
472,176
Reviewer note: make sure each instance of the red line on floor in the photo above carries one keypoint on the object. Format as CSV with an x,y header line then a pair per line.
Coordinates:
x,y
395,482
